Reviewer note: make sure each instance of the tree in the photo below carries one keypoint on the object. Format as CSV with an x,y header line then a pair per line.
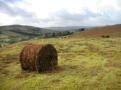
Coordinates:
x,y
53,34
0,32
81,29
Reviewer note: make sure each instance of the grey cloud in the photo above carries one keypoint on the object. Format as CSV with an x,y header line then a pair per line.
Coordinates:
x,y
26,17
63,17
13,11
107,16
11,1
111,16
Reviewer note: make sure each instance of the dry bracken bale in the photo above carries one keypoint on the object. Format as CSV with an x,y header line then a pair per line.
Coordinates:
x,y
105,36
38,57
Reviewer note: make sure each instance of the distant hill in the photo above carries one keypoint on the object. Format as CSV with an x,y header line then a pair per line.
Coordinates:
x,y
112,31
68,28
15,33
29,30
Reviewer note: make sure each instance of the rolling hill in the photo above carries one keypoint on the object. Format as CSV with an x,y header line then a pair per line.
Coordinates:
x,y
112,31
15,33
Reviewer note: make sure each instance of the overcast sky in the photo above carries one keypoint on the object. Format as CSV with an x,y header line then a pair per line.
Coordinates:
x,y
52,13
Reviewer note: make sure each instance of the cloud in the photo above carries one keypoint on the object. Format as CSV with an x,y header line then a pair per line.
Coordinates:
x,y
45,13
64,17
11,1
13,11
17,15
87,18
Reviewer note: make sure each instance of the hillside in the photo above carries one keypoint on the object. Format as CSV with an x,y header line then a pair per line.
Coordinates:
x,y
112,31
15,33
84,64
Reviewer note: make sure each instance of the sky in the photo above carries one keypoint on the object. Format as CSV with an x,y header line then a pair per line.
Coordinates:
x,y
54,13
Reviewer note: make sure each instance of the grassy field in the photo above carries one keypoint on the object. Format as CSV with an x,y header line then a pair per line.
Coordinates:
x,y
84,64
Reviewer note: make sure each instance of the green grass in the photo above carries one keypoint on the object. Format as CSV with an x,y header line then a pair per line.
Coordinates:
x,y
84,64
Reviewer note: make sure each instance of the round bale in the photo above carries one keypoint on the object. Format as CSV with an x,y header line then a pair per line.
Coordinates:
x,y
38,57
